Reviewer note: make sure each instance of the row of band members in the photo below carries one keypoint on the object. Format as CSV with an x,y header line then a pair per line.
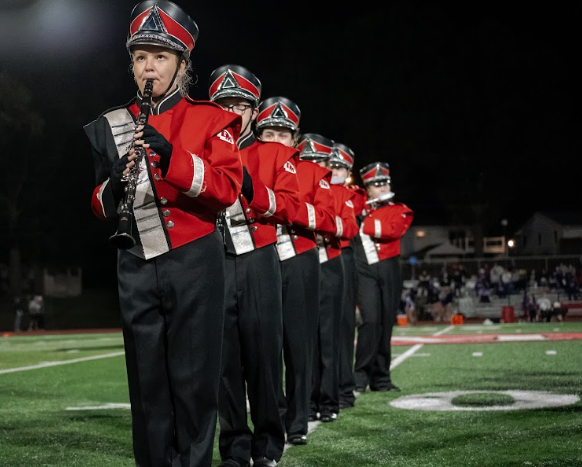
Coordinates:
x,y
244,279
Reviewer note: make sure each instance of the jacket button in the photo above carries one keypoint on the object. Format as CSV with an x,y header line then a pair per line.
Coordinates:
x,y
251,220
166,212
157,177
254,228
247,210
163,201
155,164
294,237
292,231
170,224
152,154
377,246
327,240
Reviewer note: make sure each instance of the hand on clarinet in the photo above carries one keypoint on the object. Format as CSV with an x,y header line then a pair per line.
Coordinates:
x,y
148,137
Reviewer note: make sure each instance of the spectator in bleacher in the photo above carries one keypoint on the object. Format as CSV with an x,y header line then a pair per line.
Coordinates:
x,y
442,310
530,308
545,306
444,277
482,288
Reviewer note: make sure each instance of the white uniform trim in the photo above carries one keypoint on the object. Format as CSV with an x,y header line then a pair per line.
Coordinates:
x,y
100,196
145,210
312,224
236,222
272,204
339,226
323,257
198,177
377,228
285,247
369,247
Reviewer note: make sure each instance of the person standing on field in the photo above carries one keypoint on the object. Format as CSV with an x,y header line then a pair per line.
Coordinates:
x,y
171,282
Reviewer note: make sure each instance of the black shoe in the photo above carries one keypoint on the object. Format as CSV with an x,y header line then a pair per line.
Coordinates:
x,y
346,404
312,417
232,462
328,417
360,389
389,387
264,462
297,440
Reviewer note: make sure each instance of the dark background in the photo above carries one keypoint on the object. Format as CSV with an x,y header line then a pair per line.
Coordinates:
x,y
472,104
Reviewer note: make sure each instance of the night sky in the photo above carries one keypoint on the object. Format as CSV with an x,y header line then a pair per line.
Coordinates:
x,y
471,103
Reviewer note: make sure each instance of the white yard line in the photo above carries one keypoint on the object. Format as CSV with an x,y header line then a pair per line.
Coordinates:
x,y
63,362
395,362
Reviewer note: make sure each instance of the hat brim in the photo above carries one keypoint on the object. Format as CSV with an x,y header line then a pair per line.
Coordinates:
x,y
156,39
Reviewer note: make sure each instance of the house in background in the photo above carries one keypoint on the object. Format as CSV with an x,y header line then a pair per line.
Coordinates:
x,y
550,233
446,242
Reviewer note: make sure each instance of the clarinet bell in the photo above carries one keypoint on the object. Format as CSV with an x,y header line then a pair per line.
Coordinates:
x,y
123,239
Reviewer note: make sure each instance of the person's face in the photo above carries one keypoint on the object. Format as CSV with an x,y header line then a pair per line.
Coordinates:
x,y
241,107
279,135
157,63
376,191
341,172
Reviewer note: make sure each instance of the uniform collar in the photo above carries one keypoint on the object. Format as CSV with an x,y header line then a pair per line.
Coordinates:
x,y
246,140
165,104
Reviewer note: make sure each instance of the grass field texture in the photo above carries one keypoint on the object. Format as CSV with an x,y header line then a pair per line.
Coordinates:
x,y
497,395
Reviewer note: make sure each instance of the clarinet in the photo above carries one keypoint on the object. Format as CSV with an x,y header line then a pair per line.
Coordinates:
x,y
123,238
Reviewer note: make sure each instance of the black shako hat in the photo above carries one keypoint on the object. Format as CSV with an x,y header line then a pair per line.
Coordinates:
x,y
278,112
164,24
314,147
342,156
376,173
234,81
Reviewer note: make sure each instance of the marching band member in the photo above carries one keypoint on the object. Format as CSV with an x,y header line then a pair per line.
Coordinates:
x,y
253,330
324,402
341,163
171,283
278,120
379,278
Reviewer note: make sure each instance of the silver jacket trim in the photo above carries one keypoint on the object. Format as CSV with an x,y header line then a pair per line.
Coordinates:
x,y
285,247
369,247
322,250
100,196
198,178
236,222
339,226
377,228
272,204
311,217
145,210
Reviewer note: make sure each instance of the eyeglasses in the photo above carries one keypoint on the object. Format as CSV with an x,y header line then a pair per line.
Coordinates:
x,y
237,108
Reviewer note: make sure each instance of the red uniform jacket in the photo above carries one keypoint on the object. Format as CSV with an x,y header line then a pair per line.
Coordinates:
x,y
360,198
316,211
346,227
382,229
203,178
275,195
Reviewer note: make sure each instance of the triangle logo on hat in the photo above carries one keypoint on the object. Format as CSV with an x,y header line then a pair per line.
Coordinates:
x,y
309,147
279,111
228,82
153,21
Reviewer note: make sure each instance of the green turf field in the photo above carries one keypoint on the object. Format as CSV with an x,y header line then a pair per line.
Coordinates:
x,y
511,401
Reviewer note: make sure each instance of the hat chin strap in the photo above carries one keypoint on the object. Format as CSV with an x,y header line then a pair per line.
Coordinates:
x,y
171,85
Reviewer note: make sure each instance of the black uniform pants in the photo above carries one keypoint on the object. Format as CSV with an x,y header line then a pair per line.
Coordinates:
x,y
172,310
379,290
325,389
347,383
301,279
253,335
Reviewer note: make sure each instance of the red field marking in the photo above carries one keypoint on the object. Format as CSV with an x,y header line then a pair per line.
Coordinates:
x,y
486,338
